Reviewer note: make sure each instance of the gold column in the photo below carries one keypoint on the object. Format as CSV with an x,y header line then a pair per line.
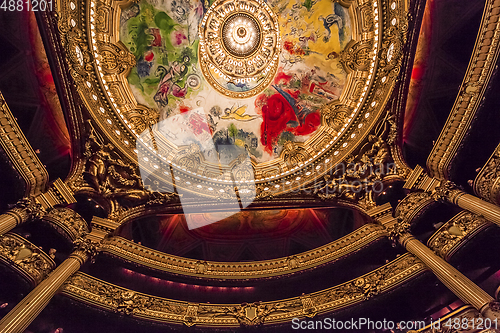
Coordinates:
x,y
19,318
22,212
446,191
458,283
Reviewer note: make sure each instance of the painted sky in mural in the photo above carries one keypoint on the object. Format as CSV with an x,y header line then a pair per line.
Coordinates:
x,y
163,36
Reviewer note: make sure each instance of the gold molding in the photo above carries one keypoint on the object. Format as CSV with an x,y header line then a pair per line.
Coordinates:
x,y
20,153
454,233
157,260
487,182
104,295
24,257
58,193
481,67
68,222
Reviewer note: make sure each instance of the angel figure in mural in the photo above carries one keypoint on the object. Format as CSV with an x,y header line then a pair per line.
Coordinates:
x,y
237,113
168,82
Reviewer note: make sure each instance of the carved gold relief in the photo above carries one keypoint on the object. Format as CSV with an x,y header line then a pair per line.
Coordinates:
x,y
20,153
356,56
487,182
455,232
25,257
114,298
68,222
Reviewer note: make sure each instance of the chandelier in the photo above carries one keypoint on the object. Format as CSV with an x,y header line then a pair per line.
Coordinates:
x,y
239,47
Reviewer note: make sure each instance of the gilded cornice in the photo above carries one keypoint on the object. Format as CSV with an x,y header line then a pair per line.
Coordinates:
x,y
141,255
25,258
104,295
487,182
19,152
58,194
481,68
454,233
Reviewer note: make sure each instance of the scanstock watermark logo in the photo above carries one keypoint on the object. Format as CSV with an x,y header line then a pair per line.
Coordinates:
x,y
190,132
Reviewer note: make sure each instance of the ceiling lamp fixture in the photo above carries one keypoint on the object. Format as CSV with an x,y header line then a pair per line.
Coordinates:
x,y
239,47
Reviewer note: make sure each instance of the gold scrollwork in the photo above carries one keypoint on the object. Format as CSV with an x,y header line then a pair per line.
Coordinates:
x,y
452,234
25,257
487,182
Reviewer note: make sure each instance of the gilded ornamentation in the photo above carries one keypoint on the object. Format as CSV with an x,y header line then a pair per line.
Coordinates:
x,y
115,59
87,246
143,118
20,153
399,229
144,256
30,207
308,307
189,157
369,285
446,191
127,302
114,179
487,182
79,55
356,56
360,173
27,258
191,315
452,234
240,43
335,116
107,296
391,52
94,54
68,221
407,208
294,153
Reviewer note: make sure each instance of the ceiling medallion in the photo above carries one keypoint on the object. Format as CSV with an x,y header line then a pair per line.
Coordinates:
x,y
239,47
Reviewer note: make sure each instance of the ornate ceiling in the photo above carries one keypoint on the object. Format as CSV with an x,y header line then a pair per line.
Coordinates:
x,y
238,163
149,83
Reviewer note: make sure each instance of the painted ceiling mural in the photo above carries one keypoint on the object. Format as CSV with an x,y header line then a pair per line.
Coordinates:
x,y
163,37
198,113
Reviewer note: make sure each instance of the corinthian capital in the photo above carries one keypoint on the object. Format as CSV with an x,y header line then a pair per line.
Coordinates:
x,y
29,208
86,246
399,229
446,191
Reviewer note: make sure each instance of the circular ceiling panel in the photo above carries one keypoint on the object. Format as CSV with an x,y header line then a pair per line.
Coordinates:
x,y
239,47
143,70
253,77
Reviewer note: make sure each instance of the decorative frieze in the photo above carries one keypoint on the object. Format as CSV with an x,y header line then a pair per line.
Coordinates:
x,y
24,257
99,293
455,232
